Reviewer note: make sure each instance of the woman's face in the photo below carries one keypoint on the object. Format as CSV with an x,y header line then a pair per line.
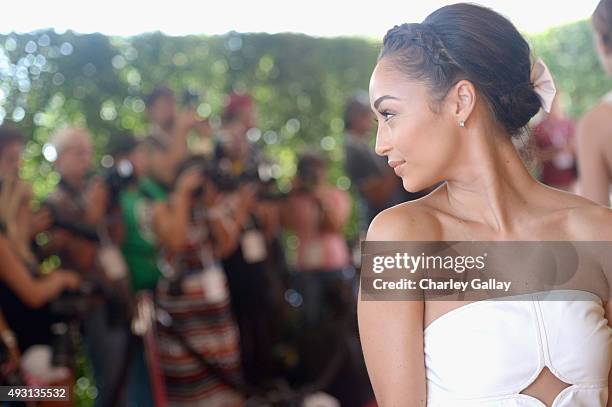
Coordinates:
x,y
603,52
75,160
417,142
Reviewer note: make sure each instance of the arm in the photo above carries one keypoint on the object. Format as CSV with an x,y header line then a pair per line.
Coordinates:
x,y
391,332
336,208
239,206
593,223
186,121
392,341
171,220
33,292
593,131
96,197
268,214
223,230
225,233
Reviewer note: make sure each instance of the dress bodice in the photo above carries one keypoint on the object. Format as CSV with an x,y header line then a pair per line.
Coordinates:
x,y
485,353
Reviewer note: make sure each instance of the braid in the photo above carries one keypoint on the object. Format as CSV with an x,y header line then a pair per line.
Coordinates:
x,y
421,49
423,36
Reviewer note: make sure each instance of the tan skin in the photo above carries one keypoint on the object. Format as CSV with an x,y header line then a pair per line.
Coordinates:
x,y
10,162
178,124
332,219
171,219
32,291
489,196
594,147
14,208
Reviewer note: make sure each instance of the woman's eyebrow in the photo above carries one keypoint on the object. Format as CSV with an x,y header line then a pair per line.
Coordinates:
x,y
380,99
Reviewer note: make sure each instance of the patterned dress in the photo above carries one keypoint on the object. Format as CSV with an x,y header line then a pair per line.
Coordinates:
x,y
197,304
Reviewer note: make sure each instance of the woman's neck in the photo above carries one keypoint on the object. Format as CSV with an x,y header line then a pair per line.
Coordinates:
x,y
493,185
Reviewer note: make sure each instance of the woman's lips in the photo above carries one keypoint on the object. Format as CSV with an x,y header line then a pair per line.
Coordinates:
x,y
396,165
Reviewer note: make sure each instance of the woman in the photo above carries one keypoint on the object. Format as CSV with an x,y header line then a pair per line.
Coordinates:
x,y
595,128
449,94
26,320
317,212
199,349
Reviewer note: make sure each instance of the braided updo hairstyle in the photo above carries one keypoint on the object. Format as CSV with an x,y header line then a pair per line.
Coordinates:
x,y
466,41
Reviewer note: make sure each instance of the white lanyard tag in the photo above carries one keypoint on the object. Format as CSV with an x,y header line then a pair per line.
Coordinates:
x,y
253,246
214,283
313,254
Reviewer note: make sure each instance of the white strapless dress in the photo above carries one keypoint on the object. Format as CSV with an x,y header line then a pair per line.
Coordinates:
x,y
485,353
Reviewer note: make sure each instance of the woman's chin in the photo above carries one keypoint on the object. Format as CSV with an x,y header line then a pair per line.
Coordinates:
x,y
412,185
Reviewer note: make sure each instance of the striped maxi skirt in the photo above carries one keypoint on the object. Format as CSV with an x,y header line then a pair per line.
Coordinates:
x,y
205,320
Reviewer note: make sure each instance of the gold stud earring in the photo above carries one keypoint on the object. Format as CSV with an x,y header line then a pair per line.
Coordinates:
x,y
462,123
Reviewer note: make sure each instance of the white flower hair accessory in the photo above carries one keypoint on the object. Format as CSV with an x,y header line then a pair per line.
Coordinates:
x,y
543,84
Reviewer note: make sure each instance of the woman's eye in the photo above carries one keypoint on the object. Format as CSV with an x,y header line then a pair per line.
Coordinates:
x,y
386,115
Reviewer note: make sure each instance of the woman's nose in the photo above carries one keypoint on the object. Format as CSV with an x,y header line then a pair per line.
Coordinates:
x,y
382,147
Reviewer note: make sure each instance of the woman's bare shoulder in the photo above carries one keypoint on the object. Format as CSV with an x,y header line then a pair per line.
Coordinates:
x,y
587,220
408,221
572,217
596,123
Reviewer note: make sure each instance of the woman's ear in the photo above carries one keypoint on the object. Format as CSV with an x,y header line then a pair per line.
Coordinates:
x,y
462,98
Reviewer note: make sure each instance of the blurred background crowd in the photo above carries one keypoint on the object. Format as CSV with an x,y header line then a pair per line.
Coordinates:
x,y
167,269
180,218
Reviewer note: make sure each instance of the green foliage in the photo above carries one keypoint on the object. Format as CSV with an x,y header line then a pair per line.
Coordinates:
x,y
570,55
300,84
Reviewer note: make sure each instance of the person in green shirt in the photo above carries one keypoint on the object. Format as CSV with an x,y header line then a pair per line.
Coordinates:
x,y
151,217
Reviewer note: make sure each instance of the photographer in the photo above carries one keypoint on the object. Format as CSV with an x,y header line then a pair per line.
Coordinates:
x,y
23,289
317,212
171,126
154,221
16,218
199,348
25,294
255,265
79,207
24,299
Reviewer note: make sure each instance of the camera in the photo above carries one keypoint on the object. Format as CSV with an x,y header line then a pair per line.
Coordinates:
x,y
309,171
80,229
190,99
